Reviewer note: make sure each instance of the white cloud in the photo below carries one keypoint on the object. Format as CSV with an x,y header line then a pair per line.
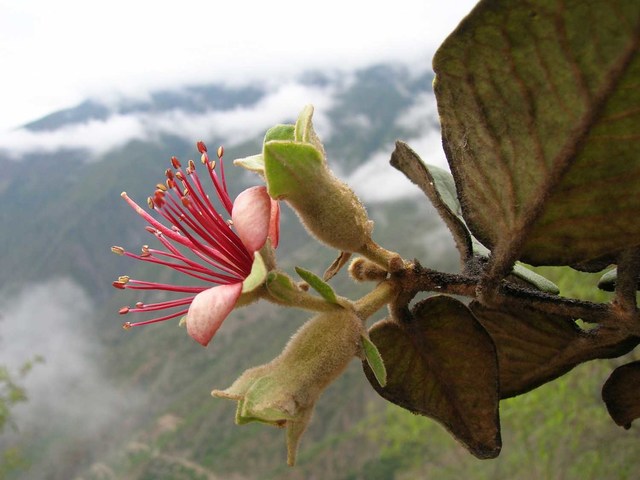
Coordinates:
x,y
222,126
97,136
55,54
51,319
377,181
422,114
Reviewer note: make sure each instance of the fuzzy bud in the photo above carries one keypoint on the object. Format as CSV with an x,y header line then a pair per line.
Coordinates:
x,y
363,270
296,171
283,392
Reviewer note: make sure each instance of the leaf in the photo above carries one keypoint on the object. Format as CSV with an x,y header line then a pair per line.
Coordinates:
x,y
304,131
533,347
438,185
319,285
532,278
440,188
254,163
443,365
280,132
336,265
608,281
621,394
374,360
540,122
290,166
257,276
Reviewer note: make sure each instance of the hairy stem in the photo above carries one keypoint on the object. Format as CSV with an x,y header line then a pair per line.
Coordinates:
x,y
373,301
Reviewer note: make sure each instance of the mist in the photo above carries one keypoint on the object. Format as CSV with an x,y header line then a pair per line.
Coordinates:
x,y
69,393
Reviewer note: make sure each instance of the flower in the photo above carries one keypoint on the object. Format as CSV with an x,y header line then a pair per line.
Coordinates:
x,y
199,243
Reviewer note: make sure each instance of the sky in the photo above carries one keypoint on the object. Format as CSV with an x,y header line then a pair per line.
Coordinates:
x,y
54,55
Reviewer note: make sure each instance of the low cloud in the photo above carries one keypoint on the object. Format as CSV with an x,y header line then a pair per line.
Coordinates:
x,y
231,127
69,390
377,181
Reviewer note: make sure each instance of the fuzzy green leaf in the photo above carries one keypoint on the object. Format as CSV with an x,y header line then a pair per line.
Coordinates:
x,y
280,132
254,163
443,365
374,360
319,285
304,131
290,167
257,276
541,120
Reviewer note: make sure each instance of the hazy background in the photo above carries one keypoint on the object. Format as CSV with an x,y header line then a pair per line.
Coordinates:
x,y
56,54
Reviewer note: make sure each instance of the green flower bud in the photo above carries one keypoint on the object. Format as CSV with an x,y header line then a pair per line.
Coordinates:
x,y
296,171
284,391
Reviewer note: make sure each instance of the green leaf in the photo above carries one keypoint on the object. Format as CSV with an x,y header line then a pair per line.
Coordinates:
x,y
541,120
533,347
304,131
443,365
304,125
374,360
319,285
257,276
621,394
254,163
608,281
290,167
532,278
280,132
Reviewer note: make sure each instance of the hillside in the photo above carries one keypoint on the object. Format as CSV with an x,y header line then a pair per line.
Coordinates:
x,y
157,419
136,405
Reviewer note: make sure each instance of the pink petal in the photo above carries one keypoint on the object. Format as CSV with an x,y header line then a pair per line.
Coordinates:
x,y
209,309
251,217
274,223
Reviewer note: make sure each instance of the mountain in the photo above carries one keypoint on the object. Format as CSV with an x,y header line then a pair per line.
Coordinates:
x,y
147,391
136,405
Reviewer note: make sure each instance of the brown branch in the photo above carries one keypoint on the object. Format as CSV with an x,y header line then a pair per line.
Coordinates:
x,y
420,279
627,281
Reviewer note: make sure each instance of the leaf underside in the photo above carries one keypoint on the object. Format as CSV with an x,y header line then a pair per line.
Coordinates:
x,y
443,365
439,186
541,120
621,394
533,347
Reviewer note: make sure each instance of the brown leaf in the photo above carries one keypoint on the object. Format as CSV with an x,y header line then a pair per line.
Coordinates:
x,y
443,365
533,347
336,265
540,120
621,394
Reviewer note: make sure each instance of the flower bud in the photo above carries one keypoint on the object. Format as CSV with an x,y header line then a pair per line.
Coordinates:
x,y
283,392
296,171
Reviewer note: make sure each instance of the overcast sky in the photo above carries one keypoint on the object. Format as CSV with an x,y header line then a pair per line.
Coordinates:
x,y
54,54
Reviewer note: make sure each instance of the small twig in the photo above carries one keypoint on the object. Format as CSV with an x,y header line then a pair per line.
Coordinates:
x,y
627,281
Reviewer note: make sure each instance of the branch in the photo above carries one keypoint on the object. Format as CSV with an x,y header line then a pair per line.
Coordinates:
x,y
420,279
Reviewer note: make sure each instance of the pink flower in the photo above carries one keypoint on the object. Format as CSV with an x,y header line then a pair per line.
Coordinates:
x,y
201,244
